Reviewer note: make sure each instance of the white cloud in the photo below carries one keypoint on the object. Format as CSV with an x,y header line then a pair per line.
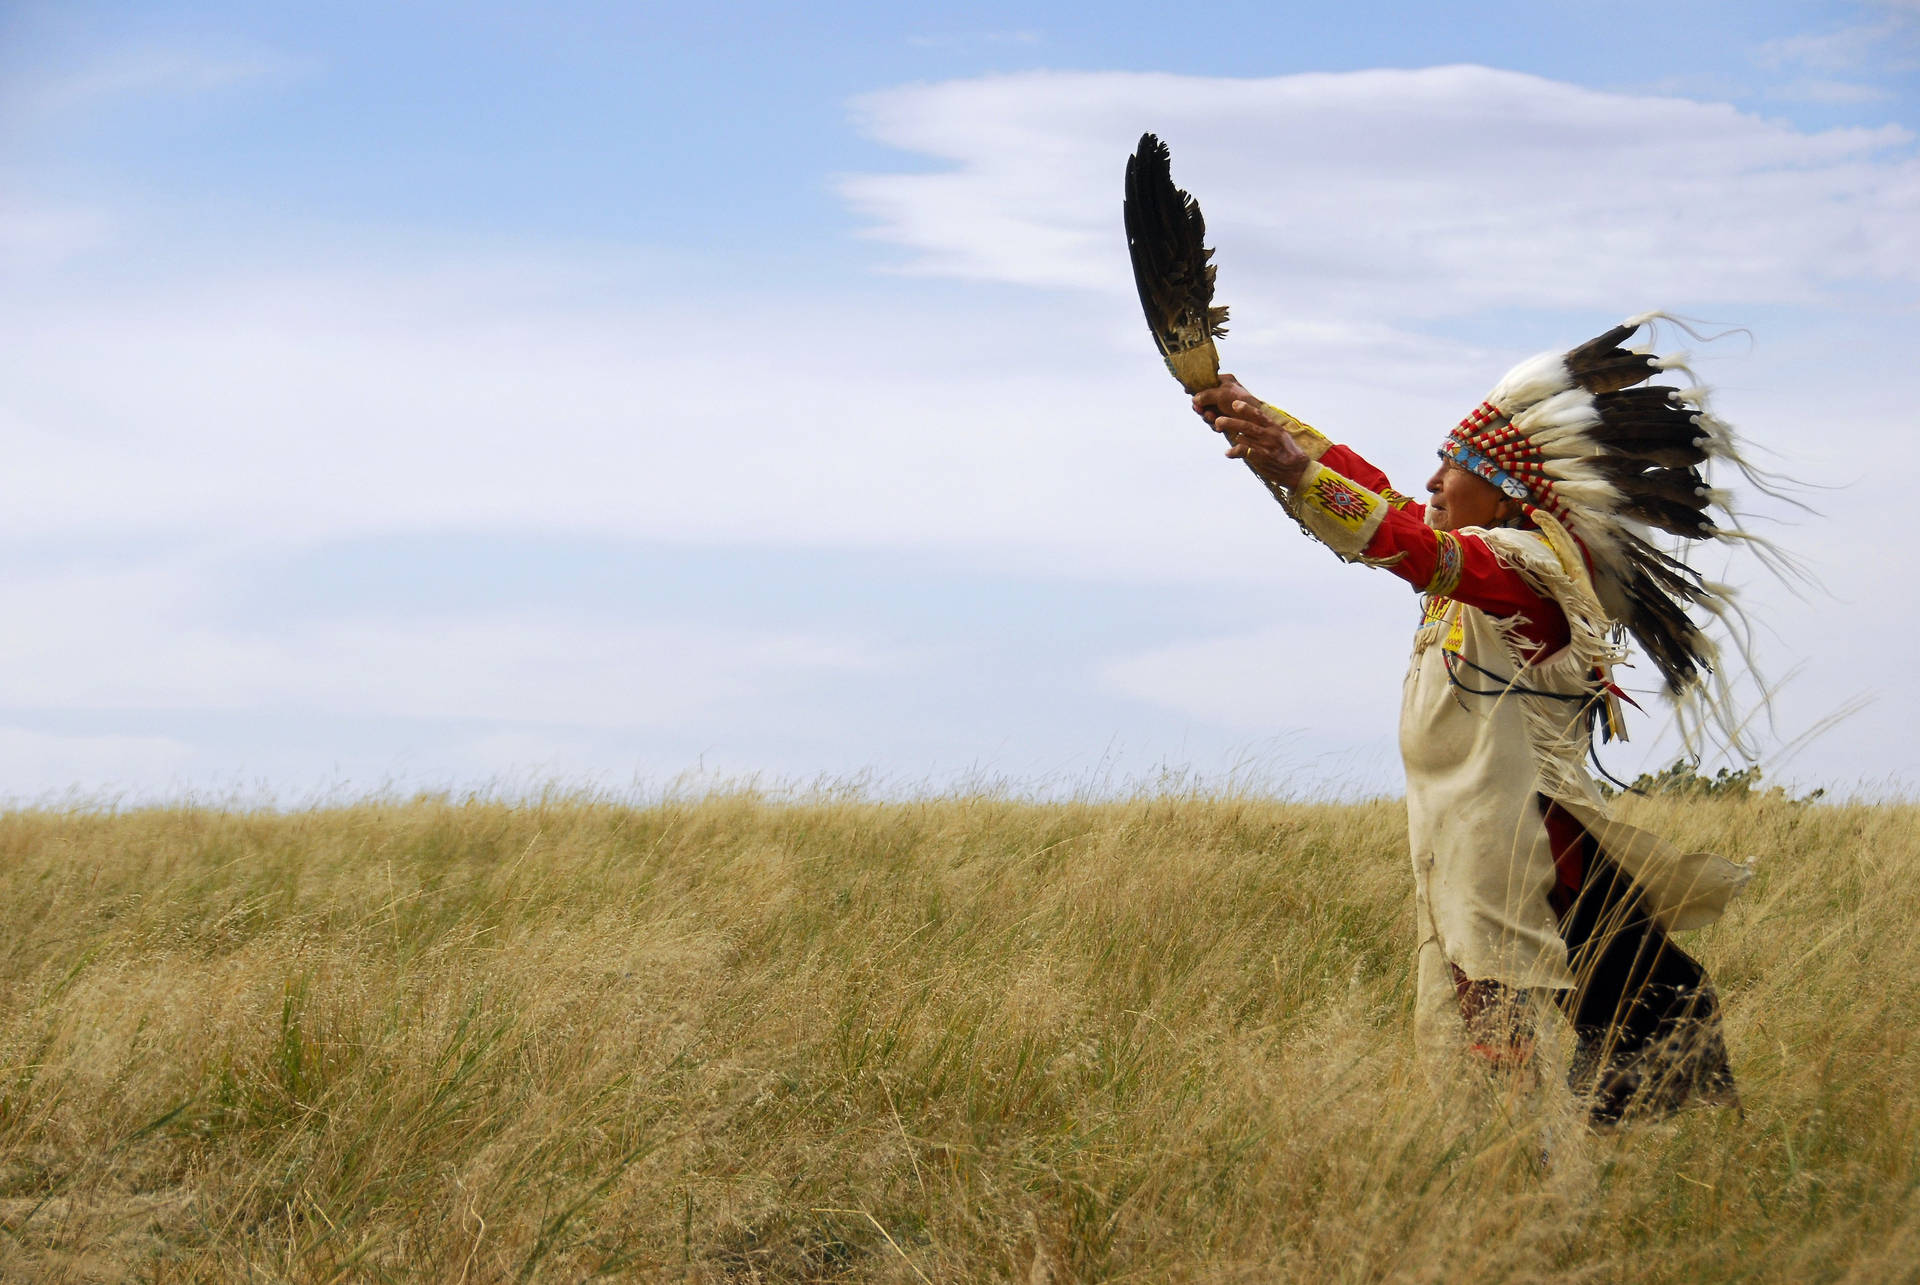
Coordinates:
x,y
1839,92
144,638
1864,47
1361,218
1286,676
324,404
294,411
525,759
40,236
1397,193
146,72
37,766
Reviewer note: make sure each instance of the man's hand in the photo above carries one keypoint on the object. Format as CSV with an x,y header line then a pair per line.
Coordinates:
x,y
1253,434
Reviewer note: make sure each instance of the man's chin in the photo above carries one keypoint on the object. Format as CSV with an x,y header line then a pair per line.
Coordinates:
x,y
1438,520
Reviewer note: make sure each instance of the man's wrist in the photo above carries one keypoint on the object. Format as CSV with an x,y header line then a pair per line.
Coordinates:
x,y
1309,439
1288,475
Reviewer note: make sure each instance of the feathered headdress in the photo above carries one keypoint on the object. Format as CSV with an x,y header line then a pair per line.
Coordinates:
x,y
1573,435
1166,236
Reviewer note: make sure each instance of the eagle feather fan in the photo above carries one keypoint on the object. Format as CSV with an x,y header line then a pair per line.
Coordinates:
x,y
1172,267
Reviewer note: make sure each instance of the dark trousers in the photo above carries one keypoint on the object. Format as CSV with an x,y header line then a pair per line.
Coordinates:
x,y
1644,1012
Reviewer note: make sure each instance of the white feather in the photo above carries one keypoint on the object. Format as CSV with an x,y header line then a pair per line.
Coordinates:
x,y
1572,408
1599,496
1572,470
1571,440
1533,380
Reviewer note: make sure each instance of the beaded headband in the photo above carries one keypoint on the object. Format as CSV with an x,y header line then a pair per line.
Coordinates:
x,y
1487,445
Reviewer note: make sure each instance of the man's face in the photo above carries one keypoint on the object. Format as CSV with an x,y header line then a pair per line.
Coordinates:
x,y
1462,499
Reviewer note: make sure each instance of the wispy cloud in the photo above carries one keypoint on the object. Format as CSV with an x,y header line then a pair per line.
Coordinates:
x,y
41,236
1372,228
1886,44
1846,65
1398,194
1236,681
550,668
40,766
148,72
1025,38
1833,92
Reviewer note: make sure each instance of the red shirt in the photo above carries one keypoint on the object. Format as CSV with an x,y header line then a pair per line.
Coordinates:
x,y
1482,582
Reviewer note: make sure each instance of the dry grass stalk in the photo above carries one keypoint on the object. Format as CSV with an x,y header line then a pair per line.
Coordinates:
x,y
1156,1040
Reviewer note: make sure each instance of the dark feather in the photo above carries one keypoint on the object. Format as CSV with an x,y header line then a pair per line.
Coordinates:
x,y
1673,499
1648,400
1172,268
1650,446
1601,366
1651,442
1674,518
1651,600
1649,424
1683,486
1623,471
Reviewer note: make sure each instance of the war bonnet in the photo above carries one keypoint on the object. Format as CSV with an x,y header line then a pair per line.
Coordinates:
x,y
1583,438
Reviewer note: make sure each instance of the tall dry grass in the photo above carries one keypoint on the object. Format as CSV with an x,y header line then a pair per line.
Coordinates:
x,y
953,1040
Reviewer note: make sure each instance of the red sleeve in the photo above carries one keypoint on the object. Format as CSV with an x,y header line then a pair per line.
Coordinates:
x,y
1461,566
1349,463
1456,565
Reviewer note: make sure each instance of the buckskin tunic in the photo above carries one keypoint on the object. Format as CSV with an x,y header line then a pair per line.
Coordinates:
x,y
1523,882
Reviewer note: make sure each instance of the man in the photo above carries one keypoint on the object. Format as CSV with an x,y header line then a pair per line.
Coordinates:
x,y
1524,886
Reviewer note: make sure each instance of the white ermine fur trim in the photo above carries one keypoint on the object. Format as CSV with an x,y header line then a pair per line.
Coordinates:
x,y
1685,325
1679,361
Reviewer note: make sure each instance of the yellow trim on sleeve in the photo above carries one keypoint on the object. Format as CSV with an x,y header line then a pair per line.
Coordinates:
x,y
1447,563
1340,513
1308,438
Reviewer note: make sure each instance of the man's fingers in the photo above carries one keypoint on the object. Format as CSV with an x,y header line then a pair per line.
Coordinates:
x,y
1230,424
1254,411
1217,397
1235,429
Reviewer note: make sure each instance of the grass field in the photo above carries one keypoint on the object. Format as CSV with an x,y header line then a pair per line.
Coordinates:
x,y
954,1040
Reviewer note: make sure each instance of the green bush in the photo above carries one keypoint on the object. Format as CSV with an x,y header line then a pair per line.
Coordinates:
x,y
1683,777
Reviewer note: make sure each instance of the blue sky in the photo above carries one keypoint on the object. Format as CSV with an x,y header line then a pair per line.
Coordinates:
x,y
442,396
